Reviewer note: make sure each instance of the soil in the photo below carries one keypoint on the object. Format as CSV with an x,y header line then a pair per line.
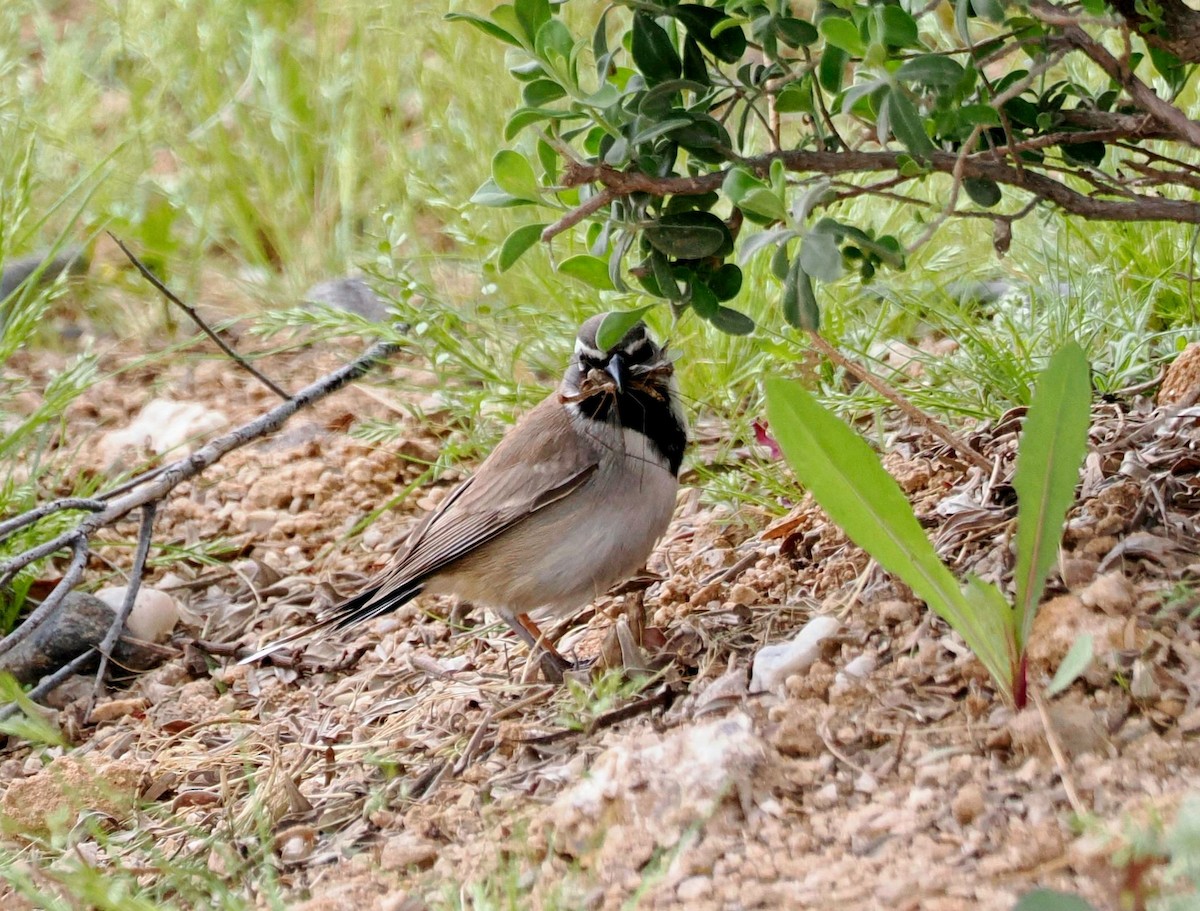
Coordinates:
x,y
419,762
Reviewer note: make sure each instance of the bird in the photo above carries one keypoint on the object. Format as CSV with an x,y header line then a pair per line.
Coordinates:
x,y
571,501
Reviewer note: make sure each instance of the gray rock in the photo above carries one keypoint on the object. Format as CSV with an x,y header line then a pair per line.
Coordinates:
x,y
80,623
16,271
350,294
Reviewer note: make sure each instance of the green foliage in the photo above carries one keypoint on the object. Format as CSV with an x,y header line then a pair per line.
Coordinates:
x,y
696,121
847,479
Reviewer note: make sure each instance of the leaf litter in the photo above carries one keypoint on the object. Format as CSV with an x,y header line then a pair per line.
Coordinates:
x,y
418,761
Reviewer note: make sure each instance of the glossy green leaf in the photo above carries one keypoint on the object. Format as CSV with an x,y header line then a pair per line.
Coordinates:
x,y
653,51
728,44
514,175
831,68
753,196
704,301
487,26
983,192
1052,446
799,300
932,70
906,123
516,244
689,235
796,32
796,97
847,479
842,33
591,270
726,281
532,15
732,322
489,194
616,323
897,27
541,91
1074,663
554,42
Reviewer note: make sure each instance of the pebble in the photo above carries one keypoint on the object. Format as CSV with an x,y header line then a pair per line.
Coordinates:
x,y
967,805
1111,593
826,797
693,889
405,851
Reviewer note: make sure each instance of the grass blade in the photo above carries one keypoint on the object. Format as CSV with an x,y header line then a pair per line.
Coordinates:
x,y
847,479
1052,447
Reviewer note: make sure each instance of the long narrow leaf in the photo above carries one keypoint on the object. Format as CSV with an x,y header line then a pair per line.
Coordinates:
x,y
847,479
1052,447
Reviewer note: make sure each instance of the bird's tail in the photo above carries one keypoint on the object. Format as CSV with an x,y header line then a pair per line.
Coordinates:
x,y
367,605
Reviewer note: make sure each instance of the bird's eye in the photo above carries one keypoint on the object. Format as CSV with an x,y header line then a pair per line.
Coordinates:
x,y
587,362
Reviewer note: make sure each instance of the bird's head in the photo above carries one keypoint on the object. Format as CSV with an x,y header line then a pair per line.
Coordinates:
x,y
635,365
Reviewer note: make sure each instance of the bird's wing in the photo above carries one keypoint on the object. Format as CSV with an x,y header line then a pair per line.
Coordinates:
x,y
526,472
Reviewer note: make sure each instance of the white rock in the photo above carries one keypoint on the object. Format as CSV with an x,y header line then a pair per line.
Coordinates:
x,y
162,425
775,663
154,613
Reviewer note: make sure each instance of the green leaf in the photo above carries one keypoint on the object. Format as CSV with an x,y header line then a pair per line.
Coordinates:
x,y
591,270
728,45
820,256
1051,900
796,97
842,33
1074,663
796,32
930,69
847,479
983,192
991,10
532,15
1084,153
979,115
654,53
688,235
489,194
516,244
906,123
1053,444
541,91
32,724
514,175
704,301
897,27
726,281
831,69
616,323
799,300
732,322
487,26
753,196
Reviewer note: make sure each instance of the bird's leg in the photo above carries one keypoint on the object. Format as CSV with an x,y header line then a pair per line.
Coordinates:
x,y
553,664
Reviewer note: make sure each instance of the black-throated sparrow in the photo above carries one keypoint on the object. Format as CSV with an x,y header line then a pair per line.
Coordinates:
x,y
570,502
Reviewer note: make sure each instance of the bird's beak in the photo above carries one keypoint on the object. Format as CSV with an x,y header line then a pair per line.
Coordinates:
x,y
615,369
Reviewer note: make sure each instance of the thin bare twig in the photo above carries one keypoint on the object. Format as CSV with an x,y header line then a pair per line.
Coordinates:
x,y
15,524
171,477
145,534
934,426
51,682
199,321
79,546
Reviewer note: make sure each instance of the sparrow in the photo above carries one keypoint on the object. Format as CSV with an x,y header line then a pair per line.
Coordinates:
x,y
570,502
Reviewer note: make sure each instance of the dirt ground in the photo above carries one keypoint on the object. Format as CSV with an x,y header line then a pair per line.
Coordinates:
x,y
419,763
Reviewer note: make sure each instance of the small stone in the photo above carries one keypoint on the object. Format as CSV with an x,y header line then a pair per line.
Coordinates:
x,y
826,797
296,843
154,614
1111,593
117,708
967,805
350,294
774,663
743,594
1077,573
895,611
406,851
693,889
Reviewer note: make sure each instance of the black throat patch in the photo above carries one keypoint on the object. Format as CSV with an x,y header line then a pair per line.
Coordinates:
x,y
645,412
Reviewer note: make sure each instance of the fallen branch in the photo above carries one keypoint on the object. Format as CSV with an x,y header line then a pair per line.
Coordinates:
x,y
151,489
